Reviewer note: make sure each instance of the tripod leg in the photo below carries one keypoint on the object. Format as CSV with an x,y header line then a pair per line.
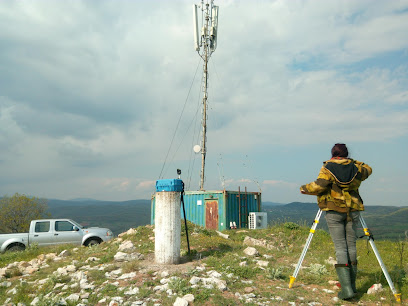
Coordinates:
x,y
302,256
377,254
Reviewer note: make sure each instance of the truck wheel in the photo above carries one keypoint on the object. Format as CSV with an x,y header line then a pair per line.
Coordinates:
x,y
93,242
16,248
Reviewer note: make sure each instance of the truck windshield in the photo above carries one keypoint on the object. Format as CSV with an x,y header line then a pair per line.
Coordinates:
x,y
76,224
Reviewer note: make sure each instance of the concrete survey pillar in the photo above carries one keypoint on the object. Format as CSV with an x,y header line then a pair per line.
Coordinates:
x,y
167,227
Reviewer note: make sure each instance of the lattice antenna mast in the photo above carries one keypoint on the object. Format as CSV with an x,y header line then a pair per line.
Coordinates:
x,y
206,43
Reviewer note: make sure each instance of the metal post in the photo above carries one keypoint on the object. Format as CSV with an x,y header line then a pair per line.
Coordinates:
x,y
377,254
302,256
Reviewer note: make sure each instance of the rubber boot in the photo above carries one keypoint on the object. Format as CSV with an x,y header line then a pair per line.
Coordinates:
x,y
343,272
353,275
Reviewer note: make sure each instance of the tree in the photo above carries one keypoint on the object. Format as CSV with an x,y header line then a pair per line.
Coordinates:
x,y
17,211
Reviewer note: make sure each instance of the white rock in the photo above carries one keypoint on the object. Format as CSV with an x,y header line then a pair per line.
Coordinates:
x,y
42,281
262,263
12,291
31,270
161,288
213,273
219,283
61,271
92,259
375,288
243,264
120,256
35,301
50,255
73,297
180,302
164,274
169,292
250,251
132,291
79,275
5,284
328,291
127,275
83,284
126,245
331,261
58,285
131,231
71,268
117,299
189,298
200,268
195,280
65,253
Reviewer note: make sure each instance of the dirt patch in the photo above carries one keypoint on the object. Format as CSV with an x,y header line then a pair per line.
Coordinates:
x,y
185,265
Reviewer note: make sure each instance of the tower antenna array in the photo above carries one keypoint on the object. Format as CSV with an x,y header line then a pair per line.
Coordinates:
x,y
206,43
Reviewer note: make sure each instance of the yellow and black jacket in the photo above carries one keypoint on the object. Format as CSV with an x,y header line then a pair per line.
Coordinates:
x,y
337,185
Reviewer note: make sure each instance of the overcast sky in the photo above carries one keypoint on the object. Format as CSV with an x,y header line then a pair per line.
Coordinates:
x,y
91,93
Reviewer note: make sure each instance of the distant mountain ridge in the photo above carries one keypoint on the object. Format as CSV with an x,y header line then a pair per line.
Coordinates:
x,y
118,216
385,222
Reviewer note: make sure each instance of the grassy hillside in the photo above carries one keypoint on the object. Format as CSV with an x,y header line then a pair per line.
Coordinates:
x,y
247,281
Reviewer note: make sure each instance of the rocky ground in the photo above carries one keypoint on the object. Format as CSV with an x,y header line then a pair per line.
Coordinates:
x,y
81,276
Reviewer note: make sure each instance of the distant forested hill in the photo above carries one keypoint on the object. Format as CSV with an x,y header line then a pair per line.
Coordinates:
x,y
385,222
117,216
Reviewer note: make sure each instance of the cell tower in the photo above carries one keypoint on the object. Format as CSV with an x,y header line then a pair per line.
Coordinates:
x,y
206,43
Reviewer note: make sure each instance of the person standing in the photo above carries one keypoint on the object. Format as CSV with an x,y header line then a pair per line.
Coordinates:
x,y
336,188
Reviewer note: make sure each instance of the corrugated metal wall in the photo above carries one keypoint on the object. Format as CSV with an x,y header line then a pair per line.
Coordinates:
x,y
239,205
233,206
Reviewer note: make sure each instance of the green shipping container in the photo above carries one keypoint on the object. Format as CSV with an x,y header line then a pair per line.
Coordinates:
x,y
219,209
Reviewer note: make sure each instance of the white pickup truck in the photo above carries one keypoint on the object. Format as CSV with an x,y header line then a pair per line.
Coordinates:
x,y
54,231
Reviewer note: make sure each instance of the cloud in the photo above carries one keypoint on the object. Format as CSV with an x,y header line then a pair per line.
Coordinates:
x,y
92,92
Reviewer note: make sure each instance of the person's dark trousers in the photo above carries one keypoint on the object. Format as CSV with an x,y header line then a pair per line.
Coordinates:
x,y
343,234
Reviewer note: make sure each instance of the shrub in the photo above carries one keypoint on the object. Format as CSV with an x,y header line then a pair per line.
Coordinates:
x,y
291,226
275,273
318,269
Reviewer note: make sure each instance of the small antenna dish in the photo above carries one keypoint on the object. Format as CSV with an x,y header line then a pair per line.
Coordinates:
x,y
197,149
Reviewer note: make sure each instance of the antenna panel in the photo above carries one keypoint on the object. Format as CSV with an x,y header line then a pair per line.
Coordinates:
x,y
214,27
196,43
204,31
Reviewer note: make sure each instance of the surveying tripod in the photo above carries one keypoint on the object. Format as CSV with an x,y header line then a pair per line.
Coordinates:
x,y
370,239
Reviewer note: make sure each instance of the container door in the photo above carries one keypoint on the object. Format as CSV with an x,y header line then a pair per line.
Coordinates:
x,y
211,214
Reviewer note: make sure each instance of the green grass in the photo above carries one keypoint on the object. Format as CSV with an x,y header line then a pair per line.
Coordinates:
x,y
285,241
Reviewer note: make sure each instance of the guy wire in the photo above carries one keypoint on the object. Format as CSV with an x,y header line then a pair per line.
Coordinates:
x,y
178,123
